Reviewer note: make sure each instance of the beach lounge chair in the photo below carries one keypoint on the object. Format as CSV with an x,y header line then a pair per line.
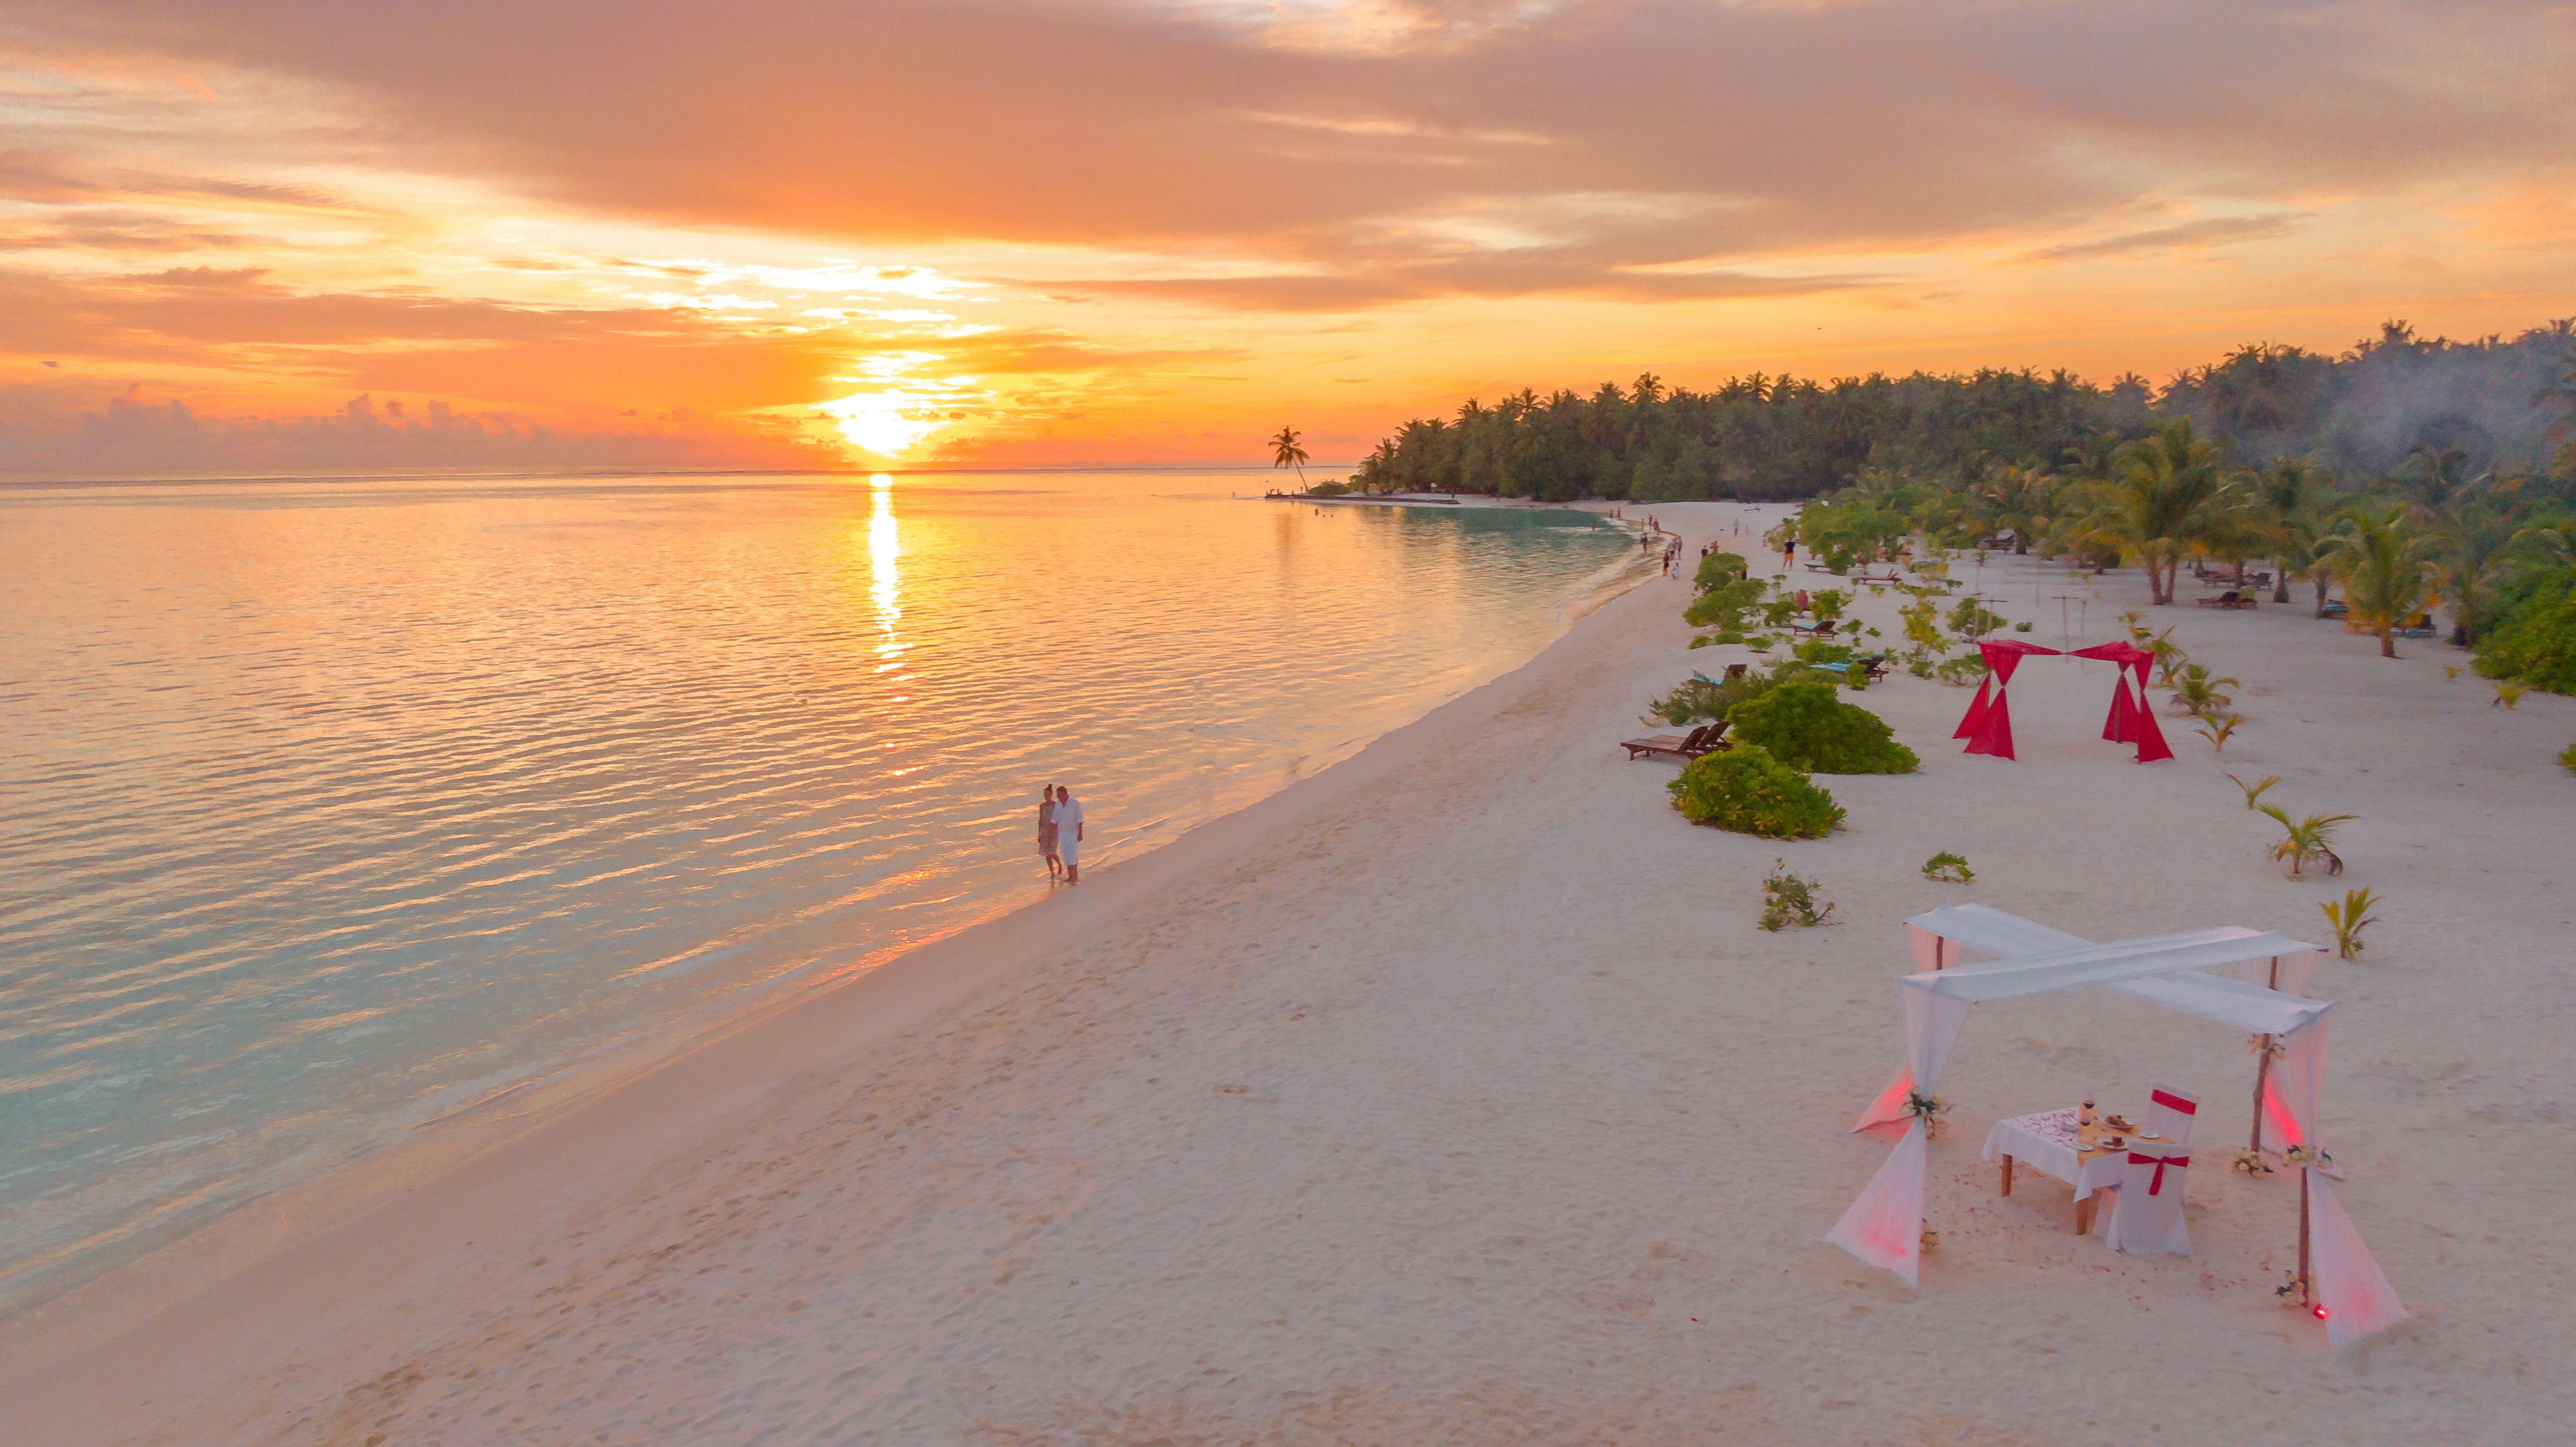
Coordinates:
x,y
2334,608
1707,738
1872,668
1824,629
2229,599
1734,671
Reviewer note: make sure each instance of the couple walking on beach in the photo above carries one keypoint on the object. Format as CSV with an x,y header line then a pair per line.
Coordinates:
x,y
1060,833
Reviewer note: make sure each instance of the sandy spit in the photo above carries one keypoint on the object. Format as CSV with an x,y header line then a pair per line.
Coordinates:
x,y
1452,1096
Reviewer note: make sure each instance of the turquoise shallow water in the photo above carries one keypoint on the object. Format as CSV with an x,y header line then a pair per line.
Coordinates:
x,y
327,808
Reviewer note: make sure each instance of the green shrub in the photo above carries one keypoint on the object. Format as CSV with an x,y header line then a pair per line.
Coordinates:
x,y
2536,644
1816,650
1788,900
1973,619
1717,568
1748,791
1702,699
2569,758
1807,726
1948,868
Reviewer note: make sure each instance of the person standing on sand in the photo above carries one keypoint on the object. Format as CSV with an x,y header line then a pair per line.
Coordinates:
x,y
1068,833
1046,833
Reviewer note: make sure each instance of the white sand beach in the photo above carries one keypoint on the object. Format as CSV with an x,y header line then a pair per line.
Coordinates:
x,y
1453,1096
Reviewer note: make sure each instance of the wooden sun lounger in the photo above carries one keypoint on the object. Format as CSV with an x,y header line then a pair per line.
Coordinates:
x,y
1706,739
1824,629
2228,601
1872,668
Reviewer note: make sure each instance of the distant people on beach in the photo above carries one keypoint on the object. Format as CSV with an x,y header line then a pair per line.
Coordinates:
x,y
1788,554
1046,834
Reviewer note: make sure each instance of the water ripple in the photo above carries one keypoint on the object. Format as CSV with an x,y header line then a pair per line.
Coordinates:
x,y
326,808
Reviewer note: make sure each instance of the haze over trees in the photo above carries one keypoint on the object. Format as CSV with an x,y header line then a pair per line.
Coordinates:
x,y
2487,406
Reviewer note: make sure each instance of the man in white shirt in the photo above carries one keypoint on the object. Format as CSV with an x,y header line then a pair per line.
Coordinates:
x,y
1068,834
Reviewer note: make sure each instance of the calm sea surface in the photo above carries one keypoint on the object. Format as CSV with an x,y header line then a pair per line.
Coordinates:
x,y
327,808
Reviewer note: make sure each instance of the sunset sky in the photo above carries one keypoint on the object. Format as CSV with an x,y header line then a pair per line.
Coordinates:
x,y
669,233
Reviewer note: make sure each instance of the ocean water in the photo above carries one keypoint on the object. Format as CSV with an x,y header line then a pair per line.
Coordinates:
x,y
328,808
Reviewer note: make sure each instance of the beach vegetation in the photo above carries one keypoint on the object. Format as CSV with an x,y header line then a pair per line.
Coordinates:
x,y
1286,452
1788,900
2307,841
1745,790
2254,792
2508,694
2568,758
2218,730
1719,568
2534,639
2349,918
2386,564
2163,497
1807,725
2199,693
1948,868
1972,619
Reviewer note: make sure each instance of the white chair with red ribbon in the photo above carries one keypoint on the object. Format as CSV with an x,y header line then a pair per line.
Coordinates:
x,y
2146,1211
2170,1113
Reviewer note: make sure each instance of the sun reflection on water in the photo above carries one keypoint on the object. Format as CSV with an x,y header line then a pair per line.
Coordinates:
x,y
885,546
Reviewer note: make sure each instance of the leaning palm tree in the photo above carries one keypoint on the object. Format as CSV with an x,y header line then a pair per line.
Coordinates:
x,y
1289,454
2386,566
2167,496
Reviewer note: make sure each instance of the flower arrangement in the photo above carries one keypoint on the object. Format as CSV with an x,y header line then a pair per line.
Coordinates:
x,y
1931,1239
2251,1162
2266,1045
1929,1109
2293,1290
2306,1155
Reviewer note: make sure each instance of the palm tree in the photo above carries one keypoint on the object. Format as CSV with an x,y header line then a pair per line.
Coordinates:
x,y
2385,564
2440,478
2476,548
2164,498
2293,519
1289,454
2018,498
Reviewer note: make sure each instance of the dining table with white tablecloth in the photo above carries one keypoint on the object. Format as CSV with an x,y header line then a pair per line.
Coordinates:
x,y
2054,1144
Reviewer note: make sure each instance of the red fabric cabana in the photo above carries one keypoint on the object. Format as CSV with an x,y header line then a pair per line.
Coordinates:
x,y
2131,720
1989,724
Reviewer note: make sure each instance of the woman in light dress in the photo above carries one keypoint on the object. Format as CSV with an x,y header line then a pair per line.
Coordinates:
x,y
1047,835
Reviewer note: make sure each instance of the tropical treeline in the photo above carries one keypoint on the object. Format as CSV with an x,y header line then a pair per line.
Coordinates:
x,y
2360,415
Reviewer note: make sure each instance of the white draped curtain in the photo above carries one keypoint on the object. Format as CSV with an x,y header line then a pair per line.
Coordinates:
x,y
1885,1226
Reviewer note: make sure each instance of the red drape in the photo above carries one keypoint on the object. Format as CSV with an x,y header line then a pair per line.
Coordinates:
x,y
2130,720
1991,723
2142,721
1976,711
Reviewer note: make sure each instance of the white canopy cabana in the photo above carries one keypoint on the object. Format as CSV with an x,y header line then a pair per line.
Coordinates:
x,y
1885,1226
